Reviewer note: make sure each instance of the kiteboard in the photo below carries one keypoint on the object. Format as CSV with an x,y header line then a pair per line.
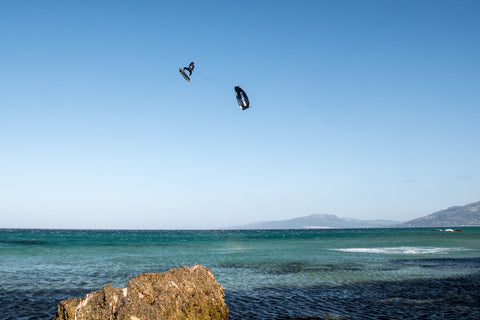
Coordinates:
x,y
184,74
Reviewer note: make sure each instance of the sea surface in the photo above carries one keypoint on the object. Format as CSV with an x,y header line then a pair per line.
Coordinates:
x,y
267,274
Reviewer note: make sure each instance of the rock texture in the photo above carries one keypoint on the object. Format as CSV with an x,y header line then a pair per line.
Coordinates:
x,y
185,293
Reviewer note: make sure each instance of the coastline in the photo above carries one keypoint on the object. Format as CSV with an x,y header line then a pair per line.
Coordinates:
x,y
448,298
290,274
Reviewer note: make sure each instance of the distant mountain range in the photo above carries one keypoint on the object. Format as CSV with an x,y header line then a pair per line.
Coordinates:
x,y
319,221
460,216
463,216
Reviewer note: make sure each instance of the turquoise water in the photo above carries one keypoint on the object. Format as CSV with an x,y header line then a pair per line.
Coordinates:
x,y
73,262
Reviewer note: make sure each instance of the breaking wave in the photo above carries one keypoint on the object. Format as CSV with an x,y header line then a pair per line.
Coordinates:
x,y
401,250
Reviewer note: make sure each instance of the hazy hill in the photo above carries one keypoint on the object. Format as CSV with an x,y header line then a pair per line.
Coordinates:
x,y
318,221
468,215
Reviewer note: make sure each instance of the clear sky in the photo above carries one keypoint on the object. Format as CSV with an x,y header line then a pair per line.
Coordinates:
x,y
362,109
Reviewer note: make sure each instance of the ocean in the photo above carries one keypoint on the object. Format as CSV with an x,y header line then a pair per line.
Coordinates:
x,y
267,274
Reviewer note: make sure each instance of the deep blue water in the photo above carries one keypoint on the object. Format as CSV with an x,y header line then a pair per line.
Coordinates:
x,y
274,274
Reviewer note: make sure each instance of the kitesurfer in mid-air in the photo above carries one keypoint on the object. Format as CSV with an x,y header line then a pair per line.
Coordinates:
x,y
190,68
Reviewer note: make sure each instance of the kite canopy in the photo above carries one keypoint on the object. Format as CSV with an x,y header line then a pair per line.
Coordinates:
x,y
242,98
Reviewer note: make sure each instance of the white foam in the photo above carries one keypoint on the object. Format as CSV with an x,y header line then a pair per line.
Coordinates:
x,y
399,250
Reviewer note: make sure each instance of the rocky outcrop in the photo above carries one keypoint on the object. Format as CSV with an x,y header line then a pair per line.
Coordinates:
x,y
185,293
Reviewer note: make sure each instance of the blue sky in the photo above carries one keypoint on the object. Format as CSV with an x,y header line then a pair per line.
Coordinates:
x,y
362,109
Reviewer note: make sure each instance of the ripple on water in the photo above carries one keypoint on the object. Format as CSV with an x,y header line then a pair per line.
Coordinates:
x,y
452,298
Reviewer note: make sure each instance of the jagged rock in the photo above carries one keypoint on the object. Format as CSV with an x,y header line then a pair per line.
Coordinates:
x,y
185,293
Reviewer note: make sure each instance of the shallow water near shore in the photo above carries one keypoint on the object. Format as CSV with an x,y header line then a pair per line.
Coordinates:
x,y
267,274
